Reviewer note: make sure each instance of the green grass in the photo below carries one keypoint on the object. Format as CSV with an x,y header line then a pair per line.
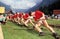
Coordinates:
x,y
54,21
13,31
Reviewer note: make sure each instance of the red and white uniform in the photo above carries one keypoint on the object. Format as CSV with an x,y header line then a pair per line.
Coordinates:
x,y
12,16
15,15
20,15
26,16
38,14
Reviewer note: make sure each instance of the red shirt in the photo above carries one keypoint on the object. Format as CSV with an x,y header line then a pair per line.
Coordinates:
x,y
38,15
16,15
12,16
26,16
20,15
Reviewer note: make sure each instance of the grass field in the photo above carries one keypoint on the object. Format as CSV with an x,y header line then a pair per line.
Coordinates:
x,y
13,31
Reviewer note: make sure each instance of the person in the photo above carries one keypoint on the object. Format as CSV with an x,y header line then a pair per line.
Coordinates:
x,y
26,19
20,17
15,17
39,18
12,17
2,19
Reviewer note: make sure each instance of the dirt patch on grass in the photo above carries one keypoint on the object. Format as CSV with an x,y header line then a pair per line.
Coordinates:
x,y
56,26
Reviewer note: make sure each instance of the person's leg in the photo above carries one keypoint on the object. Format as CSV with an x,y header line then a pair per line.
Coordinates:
x,y
28,21
31,22
37,27
22,20
18,20
54,34
25,22
15,20
49,27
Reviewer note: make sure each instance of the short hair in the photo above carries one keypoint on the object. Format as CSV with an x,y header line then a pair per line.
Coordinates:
x,y
30,13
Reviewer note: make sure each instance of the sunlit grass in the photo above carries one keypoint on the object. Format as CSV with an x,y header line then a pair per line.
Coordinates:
x,y
13,31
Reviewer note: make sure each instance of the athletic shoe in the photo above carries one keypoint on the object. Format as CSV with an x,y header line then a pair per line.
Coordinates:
x,y
55,35
25,26
41,33
33,27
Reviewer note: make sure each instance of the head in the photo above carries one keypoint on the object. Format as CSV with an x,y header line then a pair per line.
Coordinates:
x,y
31,13
23,13
16,13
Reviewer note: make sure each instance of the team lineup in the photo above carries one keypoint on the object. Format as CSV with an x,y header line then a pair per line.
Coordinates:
x,y
36,18
29,19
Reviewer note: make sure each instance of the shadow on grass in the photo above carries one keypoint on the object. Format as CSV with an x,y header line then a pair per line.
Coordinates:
x,y
32,31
